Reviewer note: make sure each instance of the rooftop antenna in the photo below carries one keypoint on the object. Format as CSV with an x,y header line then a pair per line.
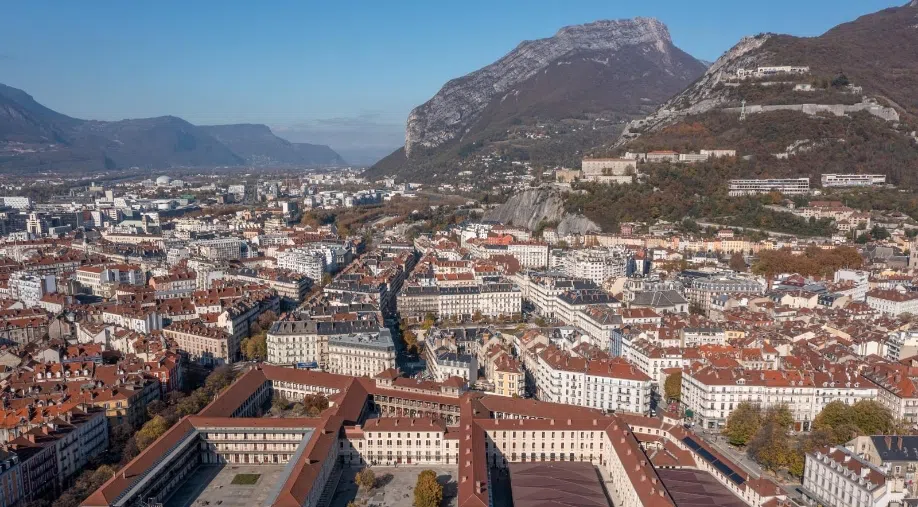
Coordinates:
x,y
742,116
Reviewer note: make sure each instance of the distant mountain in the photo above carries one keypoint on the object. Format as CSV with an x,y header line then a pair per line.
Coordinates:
x,y
35,138
260,147
546,100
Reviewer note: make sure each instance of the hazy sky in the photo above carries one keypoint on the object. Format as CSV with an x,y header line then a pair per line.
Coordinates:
x,y
310,67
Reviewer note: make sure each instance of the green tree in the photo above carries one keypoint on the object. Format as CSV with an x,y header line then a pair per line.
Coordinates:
x,y
871,418
366,479
743,424
833,415
672,387
428,492
879,233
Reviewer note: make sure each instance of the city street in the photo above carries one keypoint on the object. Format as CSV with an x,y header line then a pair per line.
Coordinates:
x,y
745,462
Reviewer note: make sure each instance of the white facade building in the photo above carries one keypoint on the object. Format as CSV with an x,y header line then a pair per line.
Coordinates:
x,y
787,186
596,264
308,262
361,354
30,287
853,180
712,393
840,478
607,384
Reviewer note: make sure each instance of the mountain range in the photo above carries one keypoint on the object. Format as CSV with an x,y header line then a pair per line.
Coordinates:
x,y
855,110
548,99
36,138
552,101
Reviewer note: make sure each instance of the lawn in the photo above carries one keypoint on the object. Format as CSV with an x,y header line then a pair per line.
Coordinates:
x,y
245,479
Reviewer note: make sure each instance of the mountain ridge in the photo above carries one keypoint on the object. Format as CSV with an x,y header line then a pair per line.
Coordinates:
x,y
546,100
35,137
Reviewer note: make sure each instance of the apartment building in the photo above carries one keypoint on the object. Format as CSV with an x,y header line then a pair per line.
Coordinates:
x,y
30,288
139,319
838,477
174,285
361,354
104,280
597,264
203,344
11,487
443,364
460,301
712,393
600,322
53,453
530,254
606,384
703,290
543,289
221,249
308,262
893,302
787,186
506,374
306,342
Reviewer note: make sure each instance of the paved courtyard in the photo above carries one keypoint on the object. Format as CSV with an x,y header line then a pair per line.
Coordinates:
x,y
212,486
395,487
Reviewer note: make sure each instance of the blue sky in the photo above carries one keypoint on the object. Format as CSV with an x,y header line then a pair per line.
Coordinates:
x,y
308,67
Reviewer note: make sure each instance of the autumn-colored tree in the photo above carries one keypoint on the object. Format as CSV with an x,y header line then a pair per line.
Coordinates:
x,y
255,348
743,424
411,341
844,422
737,262
314,404
428,492
771,447
153,429
266,319
672,387
780,416
814,261
366,479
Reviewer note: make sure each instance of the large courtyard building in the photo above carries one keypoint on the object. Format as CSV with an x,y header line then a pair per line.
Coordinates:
x,y
435,424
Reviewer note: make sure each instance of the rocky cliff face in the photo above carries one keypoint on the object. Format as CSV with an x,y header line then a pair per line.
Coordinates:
x,y
461,102
532,207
